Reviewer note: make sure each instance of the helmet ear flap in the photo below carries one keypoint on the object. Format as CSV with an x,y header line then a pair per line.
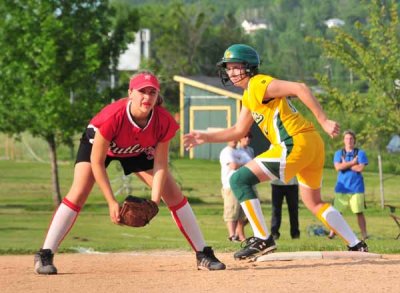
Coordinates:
x,y
223,75
251,70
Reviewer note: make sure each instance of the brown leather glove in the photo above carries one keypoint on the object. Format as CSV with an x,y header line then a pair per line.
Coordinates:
x,y
137,212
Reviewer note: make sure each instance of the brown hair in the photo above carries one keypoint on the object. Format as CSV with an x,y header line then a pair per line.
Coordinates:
x,y
160,100
351,132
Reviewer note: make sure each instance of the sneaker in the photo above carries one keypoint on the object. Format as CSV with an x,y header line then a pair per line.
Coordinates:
x,y
276,236
43,262
360,246
206,260
253,247
234,238
331,235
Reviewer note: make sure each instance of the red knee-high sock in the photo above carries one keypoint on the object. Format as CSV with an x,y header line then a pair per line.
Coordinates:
x,y
63,220
186,222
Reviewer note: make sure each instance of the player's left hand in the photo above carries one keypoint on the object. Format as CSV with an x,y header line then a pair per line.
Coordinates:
x,y
114,212
193,139
332,128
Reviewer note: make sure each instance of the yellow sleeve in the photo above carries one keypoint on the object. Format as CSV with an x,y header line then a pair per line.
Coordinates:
x,y
256,89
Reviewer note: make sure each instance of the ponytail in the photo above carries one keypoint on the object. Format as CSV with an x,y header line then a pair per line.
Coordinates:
x,y
160,100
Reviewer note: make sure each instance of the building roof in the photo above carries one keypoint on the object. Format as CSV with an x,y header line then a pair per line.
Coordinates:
x,y
130,59
212,84
334,22
251,26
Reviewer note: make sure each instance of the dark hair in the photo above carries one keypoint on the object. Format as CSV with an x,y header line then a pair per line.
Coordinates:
x,y
351,132
160,100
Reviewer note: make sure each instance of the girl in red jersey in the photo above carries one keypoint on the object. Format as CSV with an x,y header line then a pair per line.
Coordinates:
x,y
136,132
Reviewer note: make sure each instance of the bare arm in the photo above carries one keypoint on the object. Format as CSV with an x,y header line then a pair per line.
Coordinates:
x,y
281,88
347,165
235,132
358,168
234,165
97,158
160,170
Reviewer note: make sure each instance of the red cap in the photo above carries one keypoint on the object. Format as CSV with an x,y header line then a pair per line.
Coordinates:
x,y
143,80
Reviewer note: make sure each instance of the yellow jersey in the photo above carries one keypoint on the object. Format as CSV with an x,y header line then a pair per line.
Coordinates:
x,y
277,118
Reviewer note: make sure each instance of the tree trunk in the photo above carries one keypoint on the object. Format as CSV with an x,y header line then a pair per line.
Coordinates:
x,y
54,171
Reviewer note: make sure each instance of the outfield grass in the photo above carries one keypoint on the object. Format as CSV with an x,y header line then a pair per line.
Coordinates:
x,y
26,209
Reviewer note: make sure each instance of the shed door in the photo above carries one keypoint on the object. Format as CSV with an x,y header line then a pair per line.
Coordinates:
x,y
207,118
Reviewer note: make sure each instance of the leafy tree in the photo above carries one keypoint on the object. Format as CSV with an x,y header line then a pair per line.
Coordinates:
x,y
216,40
176,34
283,47
374,57
186,40
54,56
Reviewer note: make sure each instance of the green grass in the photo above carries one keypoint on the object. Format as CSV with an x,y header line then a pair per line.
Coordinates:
x,y
26,208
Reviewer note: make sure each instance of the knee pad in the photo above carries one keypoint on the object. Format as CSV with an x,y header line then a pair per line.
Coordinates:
x,y
242,182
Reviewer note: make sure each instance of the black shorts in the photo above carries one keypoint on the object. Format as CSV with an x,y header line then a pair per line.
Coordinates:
x,y
129,164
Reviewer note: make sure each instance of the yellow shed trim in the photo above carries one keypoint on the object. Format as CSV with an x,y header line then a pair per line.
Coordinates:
x,y
207,87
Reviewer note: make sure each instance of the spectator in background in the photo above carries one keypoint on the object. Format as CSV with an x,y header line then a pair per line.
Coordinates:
x,y
244,145
231,159
290,191
247,153
349,190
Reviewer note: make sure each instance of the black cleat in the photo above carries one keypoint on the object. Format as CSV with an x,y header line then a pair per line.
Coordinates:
x,y
360,246
206,260
253,247
43,262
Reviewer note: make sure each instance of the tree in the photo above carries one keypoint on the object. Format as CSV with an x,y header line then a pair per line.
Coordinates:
x,y
185,40
372,53
176,33
217,39
54,56
284,51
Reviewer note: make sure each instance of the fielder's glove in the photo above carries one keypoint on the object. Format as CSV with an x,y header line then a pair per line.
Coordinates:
x,y
137,212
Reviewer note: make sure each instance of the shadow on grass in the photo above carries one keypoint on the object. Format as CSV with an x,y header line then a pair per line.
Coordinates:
x,y
34,207
12,229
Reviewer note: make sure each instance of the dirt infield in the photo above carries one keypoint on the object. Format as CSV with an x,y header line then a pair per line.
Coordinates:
x,y
173,271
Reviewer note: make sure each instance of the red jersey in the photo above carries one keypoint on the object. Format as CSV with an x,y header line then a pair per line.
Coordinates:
x,y
127,139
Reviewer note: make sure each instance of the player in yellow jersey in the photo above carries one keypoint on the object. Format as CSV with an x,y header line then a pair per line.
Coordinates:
x,y
296,147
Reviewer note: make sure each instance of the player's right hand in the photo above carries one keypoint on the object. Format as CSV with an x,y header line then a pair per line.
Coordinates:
x,y
193,139
331,127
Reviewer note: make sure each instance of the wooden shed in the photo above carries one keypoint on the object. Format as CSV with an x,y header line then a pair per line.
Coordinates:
x,y
206,104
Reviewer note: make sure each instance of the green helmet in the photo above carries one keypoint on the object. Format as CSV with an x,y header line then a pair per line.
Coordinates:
x,y
239,53
242,54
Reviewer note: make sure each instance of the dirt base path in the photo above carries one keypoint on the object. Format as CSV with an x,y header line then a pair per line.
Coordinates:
x,y
171,271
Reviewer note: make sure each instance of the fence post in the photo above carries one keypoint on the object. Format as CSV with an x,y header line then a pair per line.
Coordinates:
x,y
381,180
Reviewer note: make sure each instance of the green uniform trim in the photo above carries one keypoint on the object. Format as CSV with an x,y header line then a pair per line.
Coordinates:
x,y
242,182
284,135
274,167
